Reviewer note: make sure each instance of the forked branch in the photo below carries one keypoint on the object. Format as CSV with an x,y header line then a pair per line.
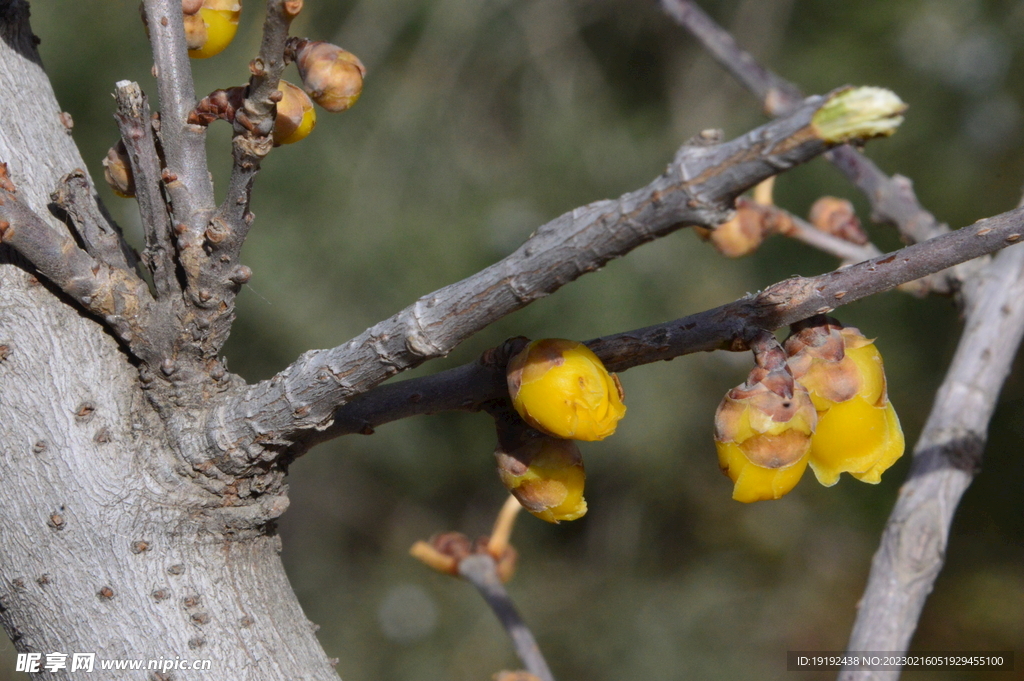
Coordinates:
x,y
697,189
113,293
471,386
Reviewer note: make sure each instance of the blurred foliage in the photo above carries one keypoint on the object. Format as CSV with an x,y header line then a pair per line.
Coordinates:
x,y
482,119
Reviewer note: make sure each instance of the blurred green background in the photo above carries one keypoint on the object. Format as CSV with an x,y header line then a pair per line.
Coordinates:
x,y
482,119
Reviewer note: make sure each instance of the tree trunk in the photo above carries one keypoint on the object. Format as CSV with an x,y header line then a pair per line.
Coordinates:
x,y
110,541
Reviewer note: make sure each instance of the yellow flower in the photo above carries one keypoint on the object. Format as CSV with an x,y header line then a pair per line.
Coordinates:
x,y
561,388
858,431
296,117
546,475
213,28
763,437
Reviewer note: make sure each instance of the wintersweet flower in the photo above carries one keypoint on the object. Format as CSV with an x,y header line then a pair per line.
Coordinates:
x,y
561,388
858,431
546,475
763,434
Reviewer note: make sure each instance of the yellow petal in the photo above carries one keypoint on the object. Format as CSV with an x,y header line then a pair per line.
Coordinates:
x,y
889,453
221,26
855,437
872,374
753,482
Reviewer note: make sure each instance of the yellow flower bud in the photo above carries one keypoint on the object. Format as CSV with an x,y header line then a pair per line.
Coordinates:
x,y
561,388
546,475
763,438
213,28
858,431
117,171
333,77
295,115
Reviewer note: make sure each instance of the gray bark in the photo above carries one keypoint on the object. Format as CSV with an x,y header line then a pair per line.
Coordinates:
x,y
110,542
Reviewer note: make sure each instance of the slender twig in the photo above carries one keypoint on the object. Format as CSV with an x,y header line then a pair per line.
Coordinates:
x,y
947,457
697,188
115,294
847,251
101,237
254,121
481,571
776,93
892,199
136,126
502,531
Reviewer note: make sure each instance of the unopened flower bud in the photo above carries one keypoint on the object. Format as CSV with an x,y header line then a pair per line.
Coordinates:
x,y
837,217
546,475
117,171
740,236
333,77
858,431
295,115
560,387
213,28
763,435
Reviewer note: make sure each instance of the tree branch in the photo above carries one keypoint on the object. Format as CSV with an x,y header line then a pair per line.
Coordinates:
x,y
892,199
115,294
697,188
184,145
470,386
136,126
480,571
947,457
254,121
99,234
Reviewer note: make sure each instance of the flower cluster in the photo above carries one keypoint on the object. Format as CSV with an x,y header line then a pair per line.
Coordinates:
x,y
821,402
563,392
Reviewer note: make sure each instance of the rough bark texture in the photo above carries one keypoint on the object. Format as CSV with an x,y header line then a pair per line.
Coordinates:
x,y
109,541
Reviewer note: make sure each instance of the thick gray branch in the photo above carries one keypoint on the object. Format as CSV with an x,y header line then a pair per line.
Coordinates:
x,y
184,145
946,458
697,188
